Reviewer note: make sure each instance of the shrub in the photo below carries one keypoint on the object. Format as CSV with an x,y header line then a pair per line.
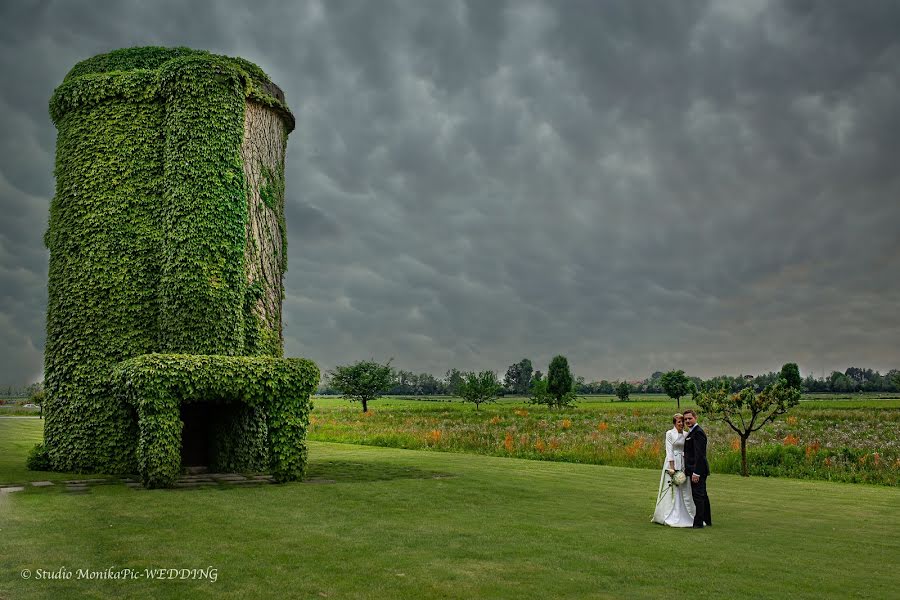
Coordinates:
x,y
39,459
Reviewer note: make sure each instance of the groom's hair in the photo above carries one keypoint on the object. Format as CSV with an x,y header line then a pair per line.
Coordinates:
x,y
677,416
691,410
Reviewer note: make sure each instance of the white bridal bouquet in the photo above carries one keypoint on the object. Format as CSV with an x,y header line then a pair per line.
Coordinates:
x,y
676,478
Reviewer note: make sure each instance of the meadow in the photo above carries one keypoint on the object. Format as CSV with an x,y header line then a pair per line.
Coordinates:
x,y
837,439
392,523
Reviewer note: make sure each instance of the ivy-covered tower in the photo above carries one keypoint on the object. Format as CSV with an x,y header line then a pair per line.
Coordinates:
x,y
167,251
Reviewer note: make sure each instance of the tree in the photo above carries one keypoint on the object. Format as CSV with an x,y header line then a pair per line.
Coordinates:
x,y
747,411
560,384
790,372
362,381
581,386
525,373
622,391
511,379
36,395
676,385
539,393
840,383
518,377
452,380
478,388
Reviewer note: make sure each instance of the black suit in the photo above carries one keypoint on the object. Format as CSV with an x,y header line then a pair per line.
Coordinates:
x,y
695,463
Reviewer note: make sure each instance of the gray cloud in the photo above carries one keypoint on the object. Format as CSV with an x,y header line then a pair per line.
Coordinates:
x,y
640,186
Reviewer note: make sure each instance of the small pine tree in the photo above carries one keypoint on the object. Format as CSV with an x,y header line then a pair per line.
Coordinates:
x,y
560,383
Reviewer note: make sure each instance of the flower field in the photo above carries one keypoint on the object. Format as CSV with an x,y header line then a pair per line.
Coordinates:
x,y
840,440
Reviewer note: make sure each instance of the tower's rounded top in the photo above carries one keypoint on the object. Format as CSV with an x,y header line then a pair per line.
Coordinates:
x,y
154,58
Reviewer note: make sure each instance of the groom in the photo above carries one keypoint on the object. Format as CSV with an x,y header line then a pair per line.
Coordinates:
x,y
696,467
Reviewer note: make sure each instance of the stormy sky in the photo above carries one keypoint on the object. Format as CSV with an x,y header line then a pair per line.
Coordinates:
x,y
638,185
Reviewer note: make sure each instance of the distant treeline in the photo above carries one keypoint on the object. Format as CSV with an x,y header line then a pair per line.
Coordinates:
x,y
520,377
20,391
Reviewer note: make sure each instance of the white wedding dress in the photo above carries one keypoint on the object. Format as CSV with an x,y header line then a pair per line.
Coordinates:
x,y
675,506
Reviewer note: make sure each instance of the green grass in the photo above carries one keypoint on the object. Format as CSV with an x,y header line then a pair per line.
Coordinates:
x,y
485,527
18,410
17,437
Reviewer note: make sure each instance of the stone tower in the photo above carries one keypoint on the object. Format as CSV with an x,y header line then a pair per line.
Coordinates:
x,y
167,251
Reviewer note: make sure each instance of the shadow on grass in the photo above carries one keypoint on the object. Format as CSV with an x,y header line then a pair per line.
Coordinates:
x,y
339,471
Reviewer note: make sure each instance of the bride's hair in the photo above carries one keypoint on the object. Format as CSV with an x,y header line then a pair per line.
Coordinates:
x,y
677,416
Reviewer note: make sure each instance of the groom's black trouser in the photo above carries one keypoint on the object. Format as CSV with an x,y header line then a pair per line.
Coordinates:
x,y
701,502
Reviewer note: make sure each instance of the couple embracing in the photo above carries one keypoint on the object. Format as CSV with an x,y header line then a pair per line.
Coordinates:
x,y
686,464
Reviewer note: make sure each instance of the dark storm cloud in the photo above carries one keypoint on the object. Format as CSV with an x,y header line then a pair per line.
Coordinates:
x,y
638,185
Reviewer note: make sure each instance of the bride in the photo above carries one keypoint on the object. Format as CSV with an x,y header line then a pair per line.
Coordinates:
x,y
674,506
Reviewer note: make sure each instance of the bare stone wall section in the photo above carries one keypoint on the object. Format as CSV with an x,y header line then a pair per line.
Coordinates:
x,y
263,152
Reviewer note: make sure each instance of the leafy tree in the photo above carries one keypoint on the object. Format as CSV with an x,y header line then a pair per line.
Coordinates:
x,y
479,387
536,377
560,384
539,393
605,387
511,379
790,372
581,386
622,391
894,376
428,385
839,382
452,380
362,381
676,385
652,385
747,411
518,377
811,384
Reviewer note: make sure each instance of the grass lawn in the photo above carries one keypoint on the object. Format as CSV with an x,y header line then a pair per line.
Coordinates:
x,y
419,524
18,435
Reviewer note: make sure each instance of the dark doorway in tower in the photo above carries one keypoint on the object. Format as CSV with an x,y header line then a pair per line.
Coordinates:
x,y
197,443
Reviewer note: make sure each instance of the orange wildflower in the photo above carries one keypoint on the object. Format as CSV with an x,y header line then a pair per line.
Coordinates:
x,y
508,442
554,444
434,436
736,444
566,423
539,445
634,447
791,440
811,449
603,426
495,420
